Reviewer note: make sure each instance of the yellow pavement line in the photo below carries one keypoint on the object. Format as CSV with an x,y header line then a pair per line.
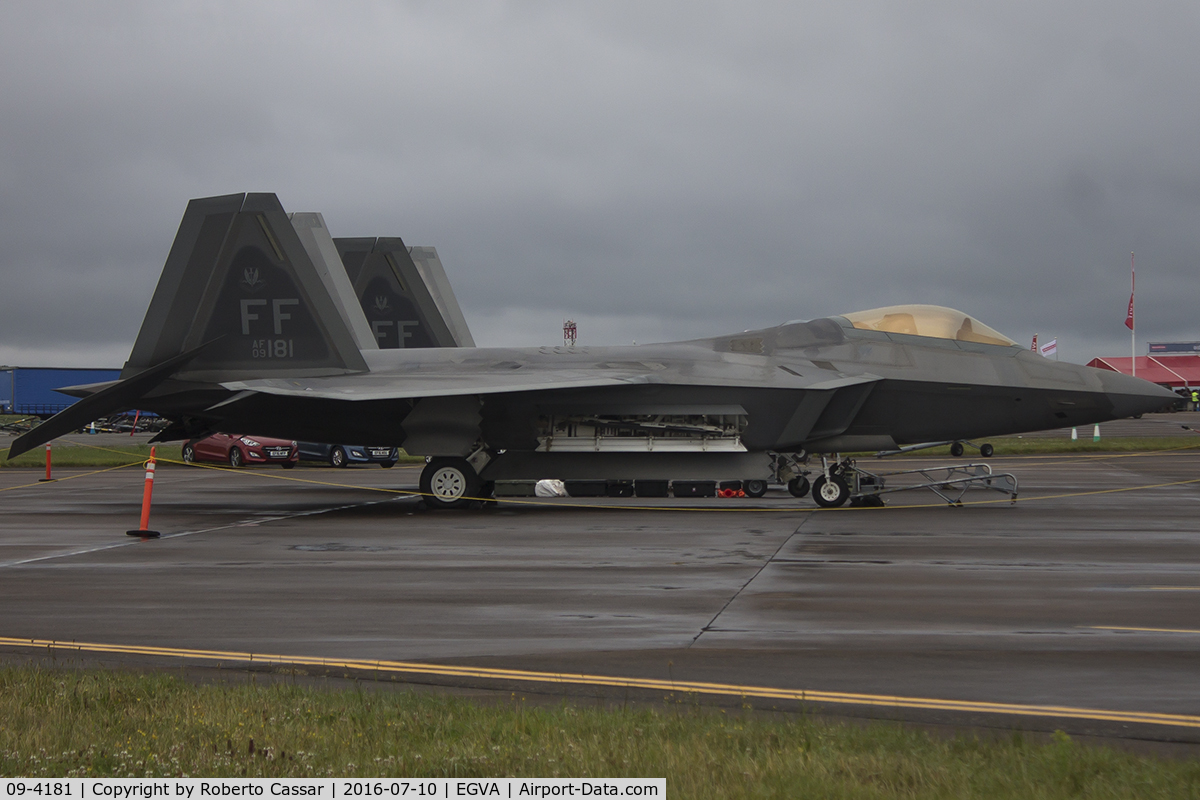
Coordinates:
x,y
686,687
1171,588
1112,491
1086,455
1141,630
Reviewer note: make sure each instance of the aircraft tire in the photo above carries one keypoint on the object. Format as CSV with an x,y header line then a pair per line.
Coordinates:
x,y
754,488
798,486
986,450
189,454
831,492
236,459
448,483
337,457
956,449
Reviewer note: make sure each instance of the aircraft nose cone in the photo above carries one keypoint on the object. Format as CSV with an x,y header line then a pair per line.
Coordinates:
x,y
1131,396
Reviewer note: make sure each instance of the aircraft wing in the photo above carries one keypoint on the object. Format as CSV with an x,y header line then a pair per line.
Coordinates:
x,y
493,379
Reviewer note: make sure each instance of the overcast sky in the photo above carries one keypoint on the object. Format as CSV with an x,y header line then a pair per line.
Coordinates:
x,y
653,170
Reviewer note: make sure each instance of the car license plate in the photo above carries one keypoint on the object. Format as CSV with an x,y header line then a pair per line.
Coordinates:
x,y
278,452
380,452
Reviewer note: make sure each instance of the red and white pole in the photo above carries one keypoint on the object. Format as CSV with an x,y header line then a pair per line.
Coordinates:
x,y
47,478
143,531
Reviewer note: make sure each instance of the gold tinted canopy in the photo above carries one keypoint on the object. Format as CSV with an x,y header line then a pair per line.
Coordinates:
x,y
920,320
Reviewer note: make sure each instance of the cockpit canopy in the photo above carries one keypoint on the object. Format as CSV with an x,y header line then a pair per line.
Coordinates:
x,y
921,320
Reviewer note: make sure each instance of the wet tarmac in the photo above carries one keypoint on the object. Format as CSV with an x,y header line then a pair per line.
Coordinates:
x,y
1085,594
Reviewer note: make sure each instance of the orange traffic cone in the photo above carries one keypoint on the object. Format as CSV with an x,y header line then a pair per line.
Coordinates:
x,y
143,531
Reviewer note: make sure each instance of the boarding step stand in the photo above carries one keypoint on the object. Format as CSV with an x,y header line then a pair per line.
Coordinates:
x,y
951,482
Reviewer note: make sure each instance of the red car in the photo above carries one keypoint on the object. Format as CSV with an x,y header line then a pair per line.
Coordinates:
x,y
238,450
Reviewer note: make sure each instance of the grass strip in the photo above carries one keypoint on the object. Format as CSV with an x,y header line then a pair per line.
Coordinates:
x,y
63,723
104,454
68,454
1043,445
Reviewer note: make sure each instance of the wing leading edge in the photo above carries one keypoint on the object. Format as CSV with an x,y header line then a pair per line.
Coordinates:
x,y
497,377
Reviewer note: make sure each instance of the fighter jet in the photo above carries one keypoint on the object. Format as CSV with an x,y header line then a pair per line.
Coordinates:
x,y
255,326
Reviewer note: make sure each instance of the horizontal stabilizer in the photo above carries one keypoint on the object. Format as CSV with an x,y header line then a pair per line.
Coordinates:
x,y
121,396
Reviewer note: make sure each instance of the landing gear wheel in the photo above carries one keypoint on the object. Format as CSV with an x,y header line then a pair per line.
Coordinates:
x,y
830,492
189,454
956,449
236,459
798,486
754,488
986,450
449,483
337,457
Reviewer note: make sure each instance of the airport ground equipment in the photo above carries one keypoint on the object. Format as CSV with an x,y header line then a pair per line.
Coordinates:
x,y
844,480
18,426
986,450
254,325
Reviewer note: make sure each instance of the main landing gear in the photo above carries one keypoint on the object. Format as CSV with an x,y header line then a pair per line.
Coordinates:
x,y
448,482
454,482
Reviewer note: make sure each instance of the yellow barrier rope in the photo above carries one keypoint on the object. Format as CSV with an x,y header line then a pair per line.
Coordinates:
x,y
71,477
728,509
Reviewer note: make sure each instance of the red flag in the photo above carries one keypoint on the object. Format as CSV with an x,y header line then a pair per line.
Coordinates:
x,y
1033,347
1132,278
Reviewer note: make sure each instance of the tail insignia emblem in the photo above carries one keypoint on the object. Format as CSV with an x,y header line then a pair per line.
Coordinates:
x,y
250,279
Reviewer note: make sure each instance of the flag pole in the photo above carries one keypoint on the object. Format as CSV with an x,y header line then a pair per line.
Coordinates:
x,y
1132,320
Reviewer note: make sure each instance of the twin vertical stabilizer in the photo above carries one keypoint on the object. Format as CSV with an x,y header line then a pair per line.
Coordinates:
x,y
269,293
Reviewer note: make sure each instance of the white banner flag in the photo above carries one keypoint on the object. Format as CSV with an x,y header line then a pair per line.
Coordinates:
x,y
1050,347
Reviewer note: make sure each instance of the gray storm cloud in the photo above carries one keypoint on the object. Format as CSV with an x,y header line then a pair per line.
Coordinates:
x,y
655,171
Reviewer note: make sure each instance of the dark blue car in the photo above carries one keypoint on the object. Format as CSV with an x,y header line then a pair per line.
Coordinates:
x,y
341,455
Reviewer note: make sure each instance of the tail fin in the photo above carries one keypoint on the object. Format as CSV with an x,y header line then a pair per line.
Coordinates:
x,y
244,294
429,266
310,227
405,295
239,272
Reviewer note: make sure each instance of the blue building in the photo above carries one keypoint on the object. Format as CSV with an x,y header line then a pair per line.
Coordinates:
x,y
31,390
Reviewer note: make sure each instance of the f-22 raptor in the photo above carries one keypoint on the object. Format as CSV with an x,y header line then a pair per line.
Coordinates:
x,y
255,326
